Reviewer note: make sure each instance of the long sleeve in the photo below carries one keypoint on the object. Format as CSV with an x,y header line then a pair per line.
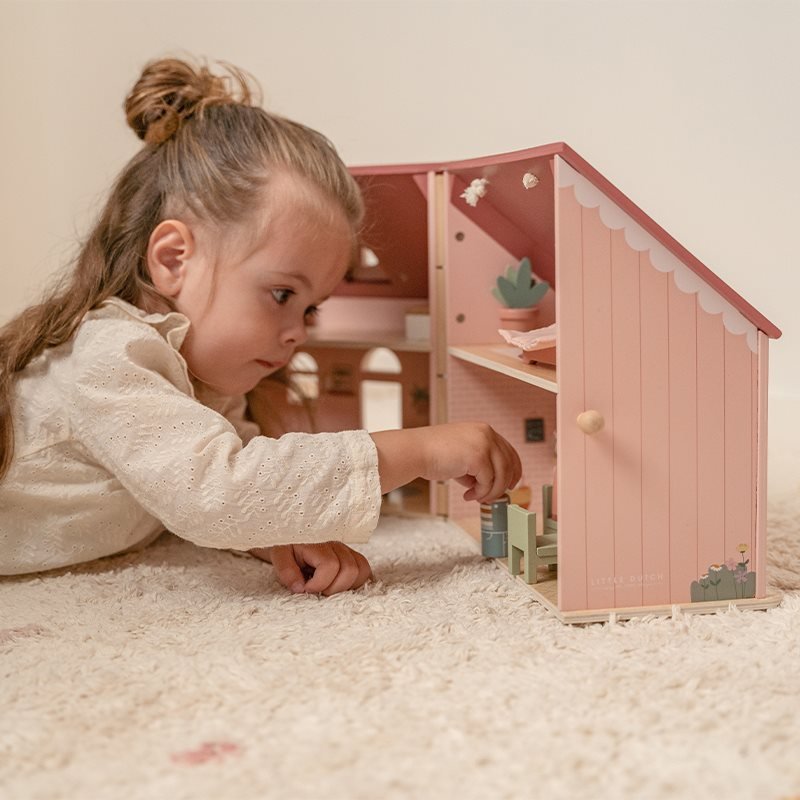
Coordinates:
x,y
234,409
132,410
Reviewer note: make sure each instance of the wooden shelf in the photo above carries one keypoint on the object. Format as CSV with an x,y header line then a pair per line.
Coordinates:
x,y
505,360
355,340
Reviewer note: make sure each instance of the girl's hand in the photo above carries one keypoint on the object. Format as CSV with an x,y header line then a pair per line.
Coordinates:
x,y
472,453
325,569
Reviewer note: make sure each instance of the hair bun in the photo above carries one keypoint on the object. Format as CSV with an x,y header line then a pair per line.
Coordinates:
x,y
170,91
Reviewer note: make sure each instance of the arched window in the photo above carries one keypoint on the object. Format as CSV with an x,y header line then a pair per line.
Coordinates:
x,y
381,360
381,397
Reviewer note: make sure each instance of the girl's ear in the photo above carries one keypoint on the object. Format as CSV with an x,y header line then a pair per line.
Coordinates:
x,y
170,247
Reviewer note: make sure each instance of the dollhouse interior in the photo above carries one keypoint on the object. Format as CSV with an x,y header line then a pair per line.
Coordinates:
x,y
411,337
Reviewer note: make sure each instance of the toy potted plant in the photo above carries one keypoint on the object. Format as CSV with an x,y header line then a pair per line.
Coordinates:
x,y
519,292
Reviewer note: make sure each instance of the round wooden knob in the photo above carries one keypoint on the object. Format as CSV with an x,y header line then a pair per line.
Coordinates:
x,y
590,421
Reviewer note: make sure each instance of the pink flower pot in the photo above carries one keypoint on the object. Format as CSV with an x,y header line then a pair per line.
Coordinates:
x,y
519,319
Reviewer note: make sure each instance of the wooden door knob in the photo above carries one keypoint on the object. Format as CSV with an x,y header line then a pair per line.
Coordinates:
x,y
590,422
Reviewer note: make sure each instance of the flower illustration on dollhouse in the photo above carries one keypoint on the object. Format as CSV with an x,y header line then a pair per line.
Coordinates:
x,y
728,581
475,191
714,577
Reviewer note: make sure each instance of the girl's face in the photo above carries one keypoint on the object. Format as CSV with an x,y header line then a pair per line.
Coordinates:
x,y
248,311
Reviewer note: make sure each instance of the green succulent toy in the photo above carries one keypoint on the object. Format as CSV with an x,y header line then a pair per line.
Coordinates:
x,y
518,289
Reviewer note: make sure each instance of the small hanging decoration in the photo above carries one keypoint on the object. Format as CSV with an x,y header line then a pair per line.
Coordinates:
x,y
529,180
475,191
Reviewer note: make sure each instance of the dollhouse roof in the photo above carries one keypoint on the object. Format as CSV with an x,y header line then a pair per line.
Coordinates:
x,y
517,226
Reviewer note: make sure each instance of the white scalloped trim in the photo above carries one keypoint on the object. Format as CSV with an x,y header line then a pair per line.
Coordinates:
x,y
688,281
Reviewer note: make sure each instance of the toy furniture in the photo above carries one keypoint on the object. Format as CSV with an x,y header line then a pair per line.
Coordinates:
x,y
549,524
538,551
658,391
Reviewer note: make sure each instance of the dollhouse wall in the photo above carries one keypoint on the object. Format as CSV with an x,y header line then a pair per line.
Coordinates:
x,y
668,487
509,223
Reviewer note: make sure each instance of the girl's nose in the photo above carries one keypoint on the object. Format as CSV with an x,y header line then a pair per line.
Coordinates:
x,y
295,333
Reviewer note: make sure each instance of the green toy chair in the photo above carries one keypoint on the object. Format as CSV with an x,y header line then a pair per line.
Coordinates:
x,y
523,542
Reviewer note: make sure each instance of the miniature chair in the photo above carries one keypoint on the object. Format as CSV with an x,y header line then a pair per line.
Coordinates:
x,y
523,542
549,525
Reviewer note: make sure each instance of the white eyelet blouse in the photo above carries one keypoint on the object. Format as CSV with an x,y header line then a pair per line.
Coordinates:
x,y
114,444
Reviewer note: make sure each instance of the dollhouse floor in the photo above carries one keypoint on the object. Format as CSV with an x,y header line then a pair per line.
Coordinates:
x,y
545,590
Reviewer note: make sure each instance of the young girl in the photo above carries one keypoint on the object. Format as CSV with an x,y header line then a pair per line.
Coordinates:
x,y
122,407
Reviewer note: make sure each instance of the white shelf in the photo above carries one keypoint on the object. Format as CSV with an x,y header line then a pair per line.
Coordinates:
x,y
356,340
505,360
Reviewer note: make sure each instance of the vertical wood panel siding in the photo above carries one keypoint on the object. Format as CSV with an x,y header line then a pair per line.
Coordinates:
x,y
597,345
683,440
656,454
738,447
710,440
761,467
669,486
627,422
571,460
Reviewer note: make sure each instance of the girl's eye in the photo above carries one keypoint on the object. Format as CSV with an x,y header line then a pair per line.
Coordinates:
x,y
281,295
312,312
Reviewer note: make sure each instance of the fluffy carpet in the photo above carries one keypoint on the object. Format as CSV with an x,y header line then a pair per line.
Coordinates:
x,y
179,672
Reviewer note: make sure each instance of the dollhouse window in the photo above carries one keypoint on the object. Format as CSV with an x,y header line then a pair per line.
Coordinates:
x,y
304,379
381,360
381,394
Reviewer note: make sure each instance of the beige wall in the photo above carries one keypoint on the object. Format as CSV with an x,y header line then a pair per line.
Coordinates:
x,y
689,107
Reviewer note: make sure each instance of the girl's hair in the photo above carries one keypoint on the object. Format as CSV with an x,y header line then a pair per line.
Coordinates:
x,y
209,152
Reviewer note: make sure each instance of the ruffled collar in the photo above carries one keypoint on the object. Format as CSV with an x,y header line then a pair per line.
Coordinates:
x,y
173,325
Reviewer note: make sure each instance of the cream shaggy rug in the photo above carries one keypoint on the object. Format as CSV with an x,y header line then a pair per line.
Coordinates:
x,y
186,673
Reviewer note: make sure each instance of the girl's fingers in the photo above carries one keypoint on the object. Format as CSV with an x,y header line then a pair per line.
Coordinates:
x,y
348,575
286,567
334,567
502,470
364,570
325,562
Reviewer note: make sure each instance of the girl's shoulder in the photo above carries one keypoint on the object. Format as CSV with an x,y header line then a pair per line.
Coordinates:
x,y
172,326
119,340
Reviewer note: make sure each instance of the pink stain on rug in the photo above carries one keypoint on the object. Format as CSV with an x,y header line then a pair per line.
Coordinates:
x,y
9,634
208,751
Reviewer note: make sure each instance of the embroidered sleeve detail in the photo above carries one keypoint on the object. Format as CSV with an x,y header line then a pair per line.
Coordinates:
x,y
185,464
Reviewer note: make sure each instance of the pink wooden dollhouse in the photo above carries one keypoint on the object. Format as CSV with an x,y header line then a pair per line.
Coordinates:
x,y
667,495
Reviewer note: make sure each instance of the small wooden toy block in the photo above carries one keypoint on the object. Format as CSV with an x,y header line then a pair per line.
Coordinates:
x,y
524,543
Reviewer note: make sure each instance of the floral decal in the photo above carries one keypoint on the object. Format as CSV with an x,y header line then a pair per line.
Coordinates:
x,y
729,581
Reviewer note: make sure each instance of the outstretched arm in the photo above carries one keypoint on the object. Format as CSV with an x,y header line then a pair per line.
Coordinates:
x,y
472,453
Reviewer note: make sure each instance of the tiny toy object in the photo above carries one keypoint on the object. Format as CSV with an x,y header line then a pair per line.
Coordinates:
x,y
518,288
494,528
475,191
